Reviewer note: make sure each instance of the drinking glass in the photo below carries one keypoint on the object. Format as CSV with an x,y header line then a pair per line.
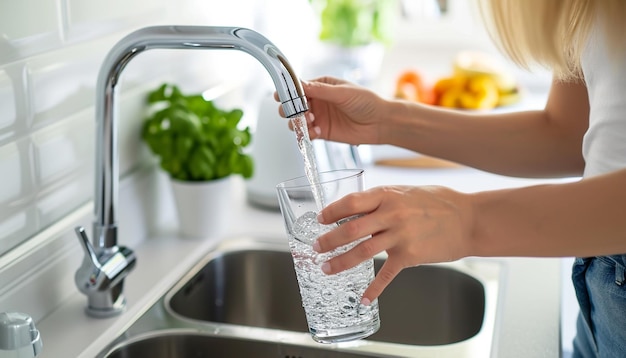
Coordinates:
x,y
331,302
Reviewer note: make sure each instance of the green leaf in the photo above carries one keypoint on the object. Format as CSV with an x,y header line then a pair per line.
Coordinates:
x,y
172,165
194,139
247,166
158,94
183,146
185,123
233,117
201,163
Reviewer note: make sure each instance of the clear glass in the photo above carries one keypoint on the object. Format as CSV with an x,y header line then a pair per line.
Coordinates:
x,y
331,302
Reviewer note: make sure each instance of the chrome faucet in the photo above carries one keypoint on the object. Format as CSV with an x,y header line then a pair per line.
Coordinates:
x,y
101,276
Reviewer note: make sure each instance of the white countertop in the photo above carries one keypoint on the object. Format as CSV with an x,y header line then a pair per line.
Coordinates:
x,y
527,326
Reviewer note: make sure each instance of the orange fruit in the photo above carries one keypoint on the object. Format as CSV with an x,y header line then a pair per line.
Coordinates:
x,y
411,86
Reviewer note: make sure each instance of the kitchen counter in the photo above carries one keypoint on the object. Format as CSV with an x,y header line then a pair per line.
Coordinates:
x,y
527,324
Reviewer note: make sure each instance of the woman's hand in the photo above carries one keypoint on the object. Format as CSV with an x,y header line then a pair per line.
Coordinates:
x,y
343,112
414,225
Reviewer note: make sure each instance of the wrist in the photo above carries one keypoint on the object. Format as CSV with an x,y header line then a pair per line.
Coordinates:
x,y
400,126
475,233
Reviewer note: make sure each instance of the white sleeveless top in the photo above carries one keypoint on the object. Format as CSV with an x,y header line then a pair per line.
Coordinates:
x,y
604,143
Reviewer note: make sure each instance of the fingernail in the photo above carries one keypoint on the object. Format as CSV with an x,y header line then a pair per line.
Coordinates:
x,y
316,246
365,301
320,218
317,130
326,267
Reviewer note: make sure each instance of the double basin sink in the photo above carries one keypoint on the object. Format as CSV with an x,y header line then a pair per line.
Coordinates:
x,y
242,300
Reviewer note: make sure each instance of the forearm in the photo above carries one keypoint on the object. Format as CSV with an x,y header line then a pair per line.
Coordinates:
x,y
583,218
516,144
531,143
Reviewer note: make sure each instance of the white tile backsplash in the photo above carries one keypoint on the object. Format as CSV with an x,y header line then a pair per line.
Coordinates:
x,y
26,19
50,55
14,118
28,27
57,203
57,152
63,82
11,228
11,167
63,157
17,216
86,19
96,11
8,115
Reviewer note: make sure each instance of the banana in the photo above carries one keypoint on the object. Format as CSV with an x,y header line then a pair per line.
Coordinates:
x,y
476,92
472,63
478,81
509,98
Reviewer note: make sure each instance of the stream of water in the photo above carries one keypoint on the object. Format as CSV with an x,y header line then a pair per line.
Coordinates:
x,y
310,162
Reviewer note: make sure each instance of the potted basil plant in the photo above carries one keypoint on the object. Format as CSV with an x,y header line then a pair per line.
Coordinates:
x,y
201,147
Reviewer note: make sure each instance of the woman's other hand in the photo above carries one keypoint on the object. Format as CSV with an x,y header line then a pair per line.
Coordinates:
x,y
344,112
414,225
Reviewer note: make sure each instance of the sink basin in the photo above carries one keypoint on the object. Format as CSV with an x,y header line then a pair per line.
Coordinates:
x,y
242,300
184,344
428,305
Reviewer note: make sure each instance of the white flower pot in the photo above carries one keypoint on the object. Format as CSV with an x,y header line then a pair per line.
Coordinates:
x,y
204,208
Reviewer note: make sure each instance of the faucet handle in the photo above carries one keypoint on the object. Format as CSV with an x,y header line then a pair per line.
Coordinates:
x,y
103,270
90,253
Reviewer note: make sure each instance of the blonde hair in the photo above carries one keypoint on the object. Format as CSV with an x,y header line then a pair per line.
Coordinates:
x,y
553,33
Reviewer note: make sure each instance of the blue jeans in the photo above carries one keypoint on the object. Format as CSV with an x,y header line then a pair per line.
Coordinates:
x,y
600,285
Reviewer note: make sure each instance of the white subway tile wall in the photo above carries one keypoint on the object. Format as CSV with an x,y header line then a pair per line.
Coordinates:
x,y
62,82
28,27
12,98
8,114
50,54
16,193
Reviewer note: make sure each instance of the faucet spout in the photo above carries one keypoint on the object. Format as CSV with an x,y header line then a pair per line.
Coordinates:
x,y
108,299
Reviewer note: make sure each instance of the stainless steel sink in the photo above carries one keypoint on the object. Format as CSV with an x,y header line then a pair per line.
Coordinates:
x,y
242,299
186,344
426,305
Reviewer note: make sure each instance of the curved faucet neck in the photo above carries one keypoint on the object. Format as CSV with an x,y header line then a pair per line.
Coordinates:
x,y
287,85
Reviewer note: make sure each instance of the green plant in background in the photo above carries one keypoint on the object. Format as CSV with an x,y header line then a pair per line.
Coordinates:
x,y
350,23
194,139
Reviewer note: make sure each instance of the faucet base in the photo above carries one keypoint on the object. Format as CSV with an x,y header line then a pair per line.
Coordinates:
x,y
106,303
118,307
